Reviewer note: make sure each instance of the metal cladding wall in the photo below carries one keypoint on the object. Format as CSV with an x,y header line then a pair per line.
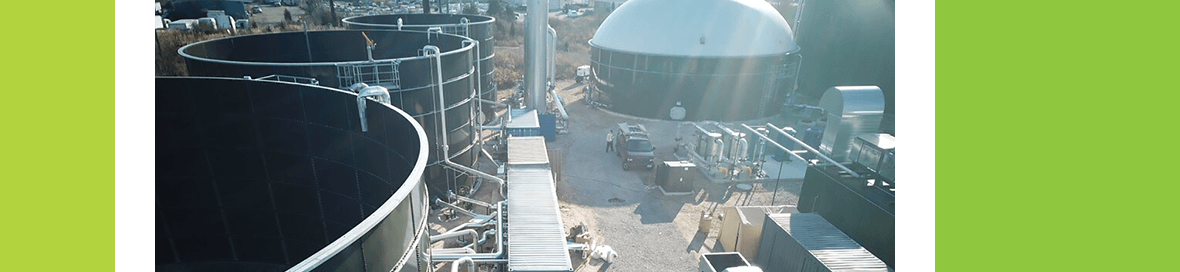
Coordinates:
x,y
318,53
805,242
265,176
709,88
478,28
864,213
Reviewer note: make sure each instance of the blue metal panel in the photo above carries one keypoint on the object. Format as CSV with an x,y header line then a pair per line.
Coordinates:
x,y
548,126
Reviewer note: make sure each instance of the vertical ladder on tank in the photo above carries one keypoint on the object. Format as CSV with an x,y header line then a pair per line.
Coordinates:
x,y
377,73
781,73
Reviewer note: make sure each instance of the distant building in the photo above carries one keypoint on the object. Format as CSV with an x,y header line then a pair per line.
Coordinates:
x,y
605,7
192,9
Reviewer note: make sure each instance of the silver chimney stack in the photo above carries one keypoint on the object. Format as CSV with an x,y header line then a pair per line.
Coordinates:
x,y
537,24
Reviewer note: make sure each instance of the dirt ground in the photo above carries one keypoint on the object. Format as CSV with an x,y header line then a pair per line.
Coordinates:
x,y
623,209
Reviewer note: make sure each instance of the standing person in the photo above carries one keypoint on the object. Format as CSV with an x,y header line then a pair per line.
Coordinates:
x,y
610,140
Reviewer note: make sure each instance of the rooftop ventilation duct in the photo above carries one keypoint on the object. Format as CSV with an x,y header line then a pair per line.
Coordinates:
x,y
851,111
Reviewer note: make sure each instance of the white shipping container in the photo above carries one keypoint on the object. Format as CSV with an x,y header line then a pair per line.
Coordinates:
x,y
209,22
183,24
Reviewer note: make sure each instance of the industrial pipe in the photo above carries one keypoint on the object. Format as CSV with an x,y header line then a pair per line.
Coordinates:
x,y
551,54
469,200
456,208
817,154
378,93
474,235
494,256
771,141
560,104
468,260
460,250
443,121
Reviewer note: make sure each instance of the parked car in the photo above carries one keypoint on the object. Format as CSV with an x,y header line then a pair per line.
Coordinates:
x,y
256,10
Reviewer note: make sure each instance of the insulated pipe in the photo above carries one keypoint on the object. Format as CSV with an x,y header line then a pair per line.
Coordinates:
x,y
469,200
495,256
551,54
809,149
560,104
468,260
457,208
484,239
378,93
443,120
474,235
817,153
776,144
461,250
485,101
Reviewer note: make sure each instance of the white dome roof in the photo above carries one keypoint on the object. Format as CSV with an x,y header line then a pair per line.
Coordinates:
x,y
707,28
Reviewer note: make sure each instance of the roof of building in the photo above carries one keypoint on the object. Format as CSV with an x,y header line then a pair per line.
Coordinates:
x,y
702,28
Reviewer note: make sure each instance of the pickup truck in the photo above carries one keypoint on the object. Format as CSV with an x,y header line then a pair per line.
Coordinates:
x,y
726,262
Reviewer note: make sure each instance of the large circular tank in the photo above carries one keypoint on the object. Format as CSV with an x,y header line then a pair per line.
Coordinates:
x,y
476,27
255,175
722,59
339,59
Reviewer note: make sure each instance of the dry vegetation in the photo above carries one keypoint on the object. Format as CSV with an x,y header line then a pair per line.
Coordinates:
x,y
170,63
573,48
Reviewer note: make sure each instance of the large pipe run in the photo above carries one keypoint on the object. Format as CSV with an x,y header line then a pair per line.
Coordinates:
x,y
474,235
771,141
468,260
809,149
496,256
443,122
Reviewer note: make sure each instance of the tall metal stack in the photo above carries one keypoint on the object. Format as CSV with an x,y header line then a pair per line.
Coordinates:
x,y
536,27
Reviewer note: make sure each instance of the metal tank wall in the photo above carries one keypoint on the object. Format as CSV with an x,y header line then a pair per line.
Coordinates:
x,y
709,88
318,53
258,175
478,27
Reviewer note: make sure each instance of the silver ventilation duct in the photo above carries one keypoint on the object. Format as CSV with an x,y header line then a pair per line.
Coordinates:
x,y
851,110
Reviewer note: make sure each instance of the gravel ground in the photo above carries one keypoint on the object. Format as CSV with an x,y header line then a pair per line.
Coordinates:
x,y
649,230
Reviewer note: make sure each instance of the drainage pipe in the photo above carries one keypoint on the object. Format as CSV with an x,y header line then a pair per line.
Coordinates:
x,y
456,208
443,120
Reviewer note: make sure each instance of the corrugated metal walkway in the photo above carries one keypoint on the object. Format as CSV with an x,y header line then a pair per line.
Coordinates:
x,y
536,240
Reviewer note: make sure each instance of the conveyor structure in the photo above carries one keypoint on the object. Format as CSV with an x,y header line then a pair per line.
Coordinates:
x,y
536,237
